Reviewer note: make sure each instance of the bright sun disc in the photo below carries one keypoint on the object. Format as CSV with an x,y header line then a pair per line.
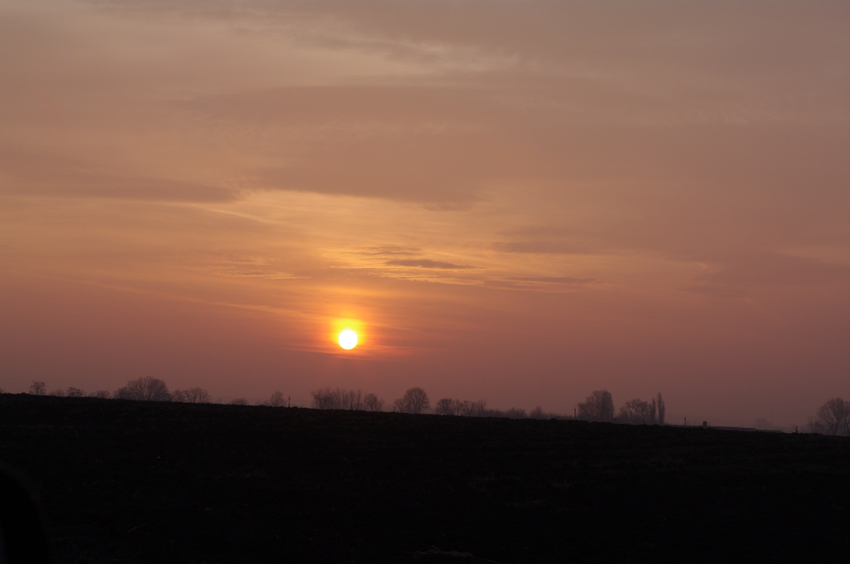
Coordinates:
x,y
347,339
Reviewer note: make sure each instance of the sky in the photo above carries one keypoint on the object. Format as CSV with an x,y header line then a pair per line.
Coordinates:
x,y
517,202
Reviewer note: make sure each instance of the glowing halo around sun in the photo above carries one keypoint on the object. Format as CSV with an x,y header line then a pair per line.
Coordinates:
x,y
347,338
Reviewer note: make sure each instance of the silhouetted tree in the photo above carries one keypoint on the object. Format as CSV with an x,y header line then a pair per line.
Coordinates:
x,y
103,394
277,399
414,400
637,412
599,406
198,395
323,398
832,418
192,395
38,388
371,402
537,413
476,408
446,406
57,393
75,392
661,409
146,388
326,398
350,399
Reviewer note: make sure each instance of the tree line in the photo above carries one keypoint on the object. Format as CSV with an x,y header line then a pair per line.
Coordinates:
x,y
832,418
599,406
148,388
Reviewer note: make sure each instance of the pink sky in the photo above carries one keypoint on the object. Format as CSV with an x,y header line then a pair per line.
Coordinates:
x,y
520,202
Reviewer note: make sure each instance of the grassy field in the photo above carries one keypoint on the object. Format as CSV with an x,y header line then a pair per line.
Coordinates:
x,y
135,482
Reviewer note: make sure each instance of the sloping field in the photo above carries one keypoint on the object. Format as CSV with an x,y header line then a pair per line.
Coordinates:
x,y
136,482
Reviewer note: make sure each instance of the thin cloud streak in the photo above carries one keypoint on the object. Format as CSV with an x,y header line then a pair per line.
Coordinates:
x,y
426,263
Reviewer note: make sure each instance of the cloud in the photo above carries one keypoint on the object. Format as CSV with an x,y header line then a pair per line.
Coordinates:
x,y
390,250
778,270
38,173
541,283
544,247
425,263
564,280
768,270
239,266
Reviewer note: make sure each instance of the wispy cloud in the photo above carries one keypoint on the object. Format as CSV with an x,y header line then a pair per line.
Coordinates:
x,y
426,263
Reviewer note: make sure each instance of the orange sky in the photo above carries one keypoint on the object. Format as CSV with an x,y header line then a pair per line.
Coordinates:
x,y
518,201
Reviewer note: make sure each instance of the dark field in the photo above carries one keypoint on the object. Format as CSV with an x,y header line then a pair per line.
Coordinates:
x,y
138,482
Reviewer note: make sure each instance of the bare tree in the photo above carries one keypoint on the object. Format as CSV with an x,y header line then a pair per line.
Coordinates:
x,y
324,398
661,408
38,388
146,388
414,400
192,395
75,392
832,418
599,406
371,402
277,400
476,408
637,412
103,394
445,406
349,399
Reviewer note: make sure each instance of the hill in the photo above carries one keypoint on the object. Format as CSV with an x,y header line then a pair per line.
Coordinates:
x,y
135,482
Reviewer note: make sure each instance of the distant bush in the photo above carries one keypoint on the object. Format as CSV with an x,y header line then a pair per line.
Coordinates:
x,y
75,392
103,394
38,388
515,413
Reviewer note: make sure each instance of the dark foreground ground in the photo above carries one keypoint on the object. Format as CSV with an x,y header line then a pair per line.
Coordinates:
x,y
136,482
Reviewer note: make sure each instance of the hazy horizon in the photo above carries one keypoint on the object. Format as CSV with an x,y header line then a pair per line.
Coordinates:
x,y
520,202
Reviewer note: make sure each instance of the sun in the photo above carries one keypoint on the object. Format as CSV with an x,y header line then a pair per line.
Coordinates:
x,y
347,339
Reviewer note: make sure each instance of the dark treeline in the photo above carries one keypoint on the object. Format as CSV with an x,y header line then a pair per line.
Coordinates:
x,y
832,418
149,388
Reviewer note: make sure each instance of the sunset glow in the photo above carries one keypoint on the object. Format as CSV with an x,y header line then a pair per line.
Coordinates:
x,y
519,202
